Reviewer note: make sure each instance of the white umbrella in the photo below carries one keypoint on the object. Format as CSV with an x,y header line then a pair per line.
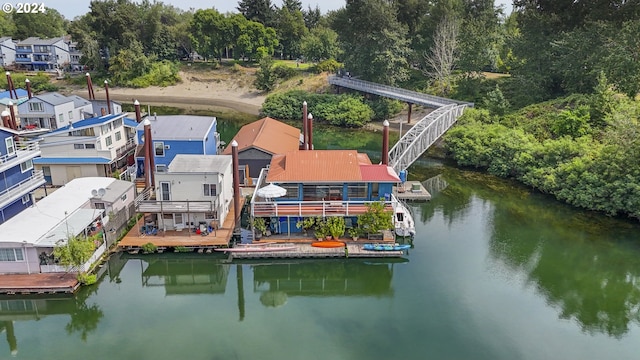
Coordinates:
x,y
271,191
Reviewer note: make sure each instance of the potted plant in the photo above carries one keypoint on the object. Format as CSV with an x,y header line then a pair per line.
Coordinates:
x,y
321,229
336,226
305,224
354,232
260,225
376,218
149,248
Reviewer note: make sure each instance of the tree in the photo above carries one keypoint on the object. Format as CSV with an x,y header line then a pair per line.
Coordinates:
x,y
7,26
265,78
292,5
479,35
207,29
320,44
291,30
442,57
48,24
261,11
374,42
75,251
312,17
129,63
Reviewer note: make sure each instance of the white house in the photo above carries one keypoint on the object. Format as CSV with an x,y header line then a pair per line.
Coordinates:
x,y
7,51
53,110
196,190
100,146
27,240
43,54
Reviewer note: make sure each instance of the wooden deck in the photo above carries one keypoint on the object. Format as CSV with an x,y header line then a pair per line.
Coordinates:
x,y
302,251
51,283
186,238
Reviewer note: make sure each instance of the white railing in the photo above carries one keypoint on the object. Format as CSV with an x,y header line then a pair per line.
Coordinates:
x,y
24,151
22,188
313,208
76,269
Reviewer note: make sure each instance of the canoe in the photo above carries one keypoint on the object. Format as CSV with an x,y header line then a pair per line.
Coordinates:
x,y
248,249
385,247
328,244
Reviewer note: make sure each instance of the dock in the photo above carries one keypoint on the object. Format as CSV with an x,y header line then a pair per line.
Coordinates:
x,y
41,283
412,191
306,251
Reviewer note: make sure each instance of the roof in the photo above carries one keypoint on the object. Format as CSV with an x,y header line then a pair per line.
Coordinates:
x,y
79,101
269,135
6,101
5,38
90,122
63,207
184,163
378,173
130,123
317,166
71,160
53,98
179,127
22,93
37,41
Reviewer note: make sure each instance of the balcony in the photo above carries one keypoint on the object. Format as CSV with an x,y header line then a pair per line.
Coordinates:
x,y
21,189
172,207
25,150
23,60
24,50
124,149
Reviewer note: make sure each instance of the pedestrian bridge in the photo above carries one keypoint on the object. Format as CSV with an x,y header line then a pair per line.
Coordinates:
x,y
425,132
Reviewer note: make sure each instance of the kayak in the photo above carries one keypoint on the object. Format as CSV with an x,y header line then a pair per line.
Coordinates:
x,y
385,247
328,244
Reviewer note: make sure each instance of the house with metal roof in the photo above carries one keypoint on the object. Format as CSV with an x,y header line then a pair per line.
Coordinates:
x,y
259,141
37,54
194,190
98,146
7,51
19,179
321,183
82,207
177,134
53,110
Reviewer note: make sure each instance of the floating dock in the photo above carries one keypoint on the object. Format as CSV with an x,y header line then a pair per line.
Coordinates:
x,y
412,191
306,251
51,283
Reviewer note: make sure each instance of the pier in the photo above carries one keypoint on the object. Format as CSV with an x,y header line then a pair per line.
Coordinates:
x,y
412,191
306,251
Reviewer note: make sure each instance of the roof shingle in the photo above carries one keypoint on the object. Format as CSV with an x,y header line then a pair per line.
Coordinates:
x,y
268,135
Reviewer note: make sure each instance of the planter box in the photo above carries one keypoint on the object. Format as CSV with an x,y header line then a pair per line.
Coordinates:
x,y
375,236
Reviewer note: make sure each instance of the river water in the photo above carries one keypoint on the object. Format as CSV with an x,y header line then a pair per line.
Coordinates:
x,y
495,272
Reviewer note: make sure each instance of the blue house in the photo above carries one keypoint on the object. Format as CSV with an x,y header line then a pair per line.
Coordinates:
x,y
18,180
322,183
177,134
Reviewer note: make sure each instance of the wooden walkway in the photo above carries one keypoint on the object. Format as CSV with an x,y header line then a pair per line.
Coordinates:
x,y
134,240
51,283
405,192
302,251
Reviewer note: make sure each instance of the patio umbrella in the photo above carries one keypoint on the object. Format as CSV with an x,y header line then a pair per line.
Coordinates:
x,y
271,191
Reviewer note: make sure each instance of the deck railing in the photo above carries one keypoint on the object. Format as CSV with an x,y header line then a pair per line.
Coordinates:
x,y
22,188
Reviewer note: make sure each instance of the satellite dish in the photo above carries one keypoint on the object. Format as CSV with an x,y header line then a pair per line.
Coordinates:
x,y
94,192
101,192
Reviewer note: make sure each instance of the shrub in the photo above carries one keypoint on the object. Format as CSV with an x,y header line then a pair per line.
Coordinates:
x,y
329,65
149,248
384,108
284,72
87,279
182,249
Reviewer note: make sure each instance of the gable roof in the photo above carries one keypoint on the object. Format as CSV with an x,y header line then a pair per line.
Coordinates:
x,y
90,122
179,127
52,98
191,163
38,41
378,173
317,166
269,135
22,93
79,101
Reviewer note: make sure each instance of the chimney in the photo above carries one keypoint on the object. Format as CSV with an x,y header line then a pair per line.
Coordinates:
x,y
304,126
92,96
236,183
136,104
28,84
106,89
310,130
385,143
13,123
6,118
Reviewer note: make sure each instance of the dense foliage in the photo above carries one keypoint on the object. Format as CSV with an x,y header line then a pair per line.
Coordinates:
x,y
39,82
559,149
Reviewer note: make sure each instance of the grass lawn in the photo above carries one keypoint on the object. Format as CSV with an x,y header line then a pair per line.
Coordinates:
x,y
292,64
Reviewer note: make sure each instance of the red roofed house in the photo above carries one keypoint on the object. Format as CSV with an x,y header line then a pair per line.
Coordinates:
x,y
322,183
259,141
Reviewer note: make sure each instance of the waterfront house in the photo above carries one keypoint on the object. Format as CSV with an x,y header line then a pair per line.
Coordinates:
x,y
321,183
194,191
37,54
83,207
53,111
258,142
177,134
99,146
7,52
18,179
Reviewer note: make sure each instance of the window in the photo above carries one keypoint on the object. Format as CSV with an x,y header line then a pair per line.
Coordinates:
x,y
117,123
26,199
36,107
89,146
118,136
165,191
61,117
159,146
99,205
209,189
105,128
123,197
293,192
70,115
357,191
26,166
46,170
108,140
161,168
11,148
322,192
78,146
11,254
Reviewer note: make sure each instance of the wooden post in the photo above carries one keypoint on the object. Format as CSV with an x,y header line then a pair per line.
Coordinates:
x,y
385,143
28,85
409,114
236,183
136,104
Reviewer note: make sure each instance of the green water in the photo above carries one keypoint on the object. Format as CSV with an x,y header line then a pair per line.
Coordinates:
x,y
495,272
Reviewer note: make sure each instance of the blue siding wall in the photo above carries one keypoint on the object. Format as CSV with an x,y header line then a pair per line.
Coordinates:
x,y
13,209
178,147
384,189
3,146
13,176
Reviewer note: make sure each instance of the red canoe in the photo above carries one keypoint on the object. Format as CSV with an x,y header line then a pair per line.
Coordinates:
x,y
328,244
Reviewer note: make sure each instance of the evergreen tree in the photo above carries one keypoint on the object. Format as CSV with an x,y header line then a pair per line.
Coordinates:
x,y
261,11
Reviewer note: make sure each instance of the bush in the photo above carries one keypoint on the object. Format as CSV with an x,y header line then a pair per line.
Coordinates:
x,y
87,279
384,108
149,248
284,72
181,249
329,65
162,73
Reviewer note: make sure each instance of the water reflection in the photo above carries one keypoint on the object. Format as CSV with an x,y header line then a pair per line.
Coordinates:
x,y
179,274
585,265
